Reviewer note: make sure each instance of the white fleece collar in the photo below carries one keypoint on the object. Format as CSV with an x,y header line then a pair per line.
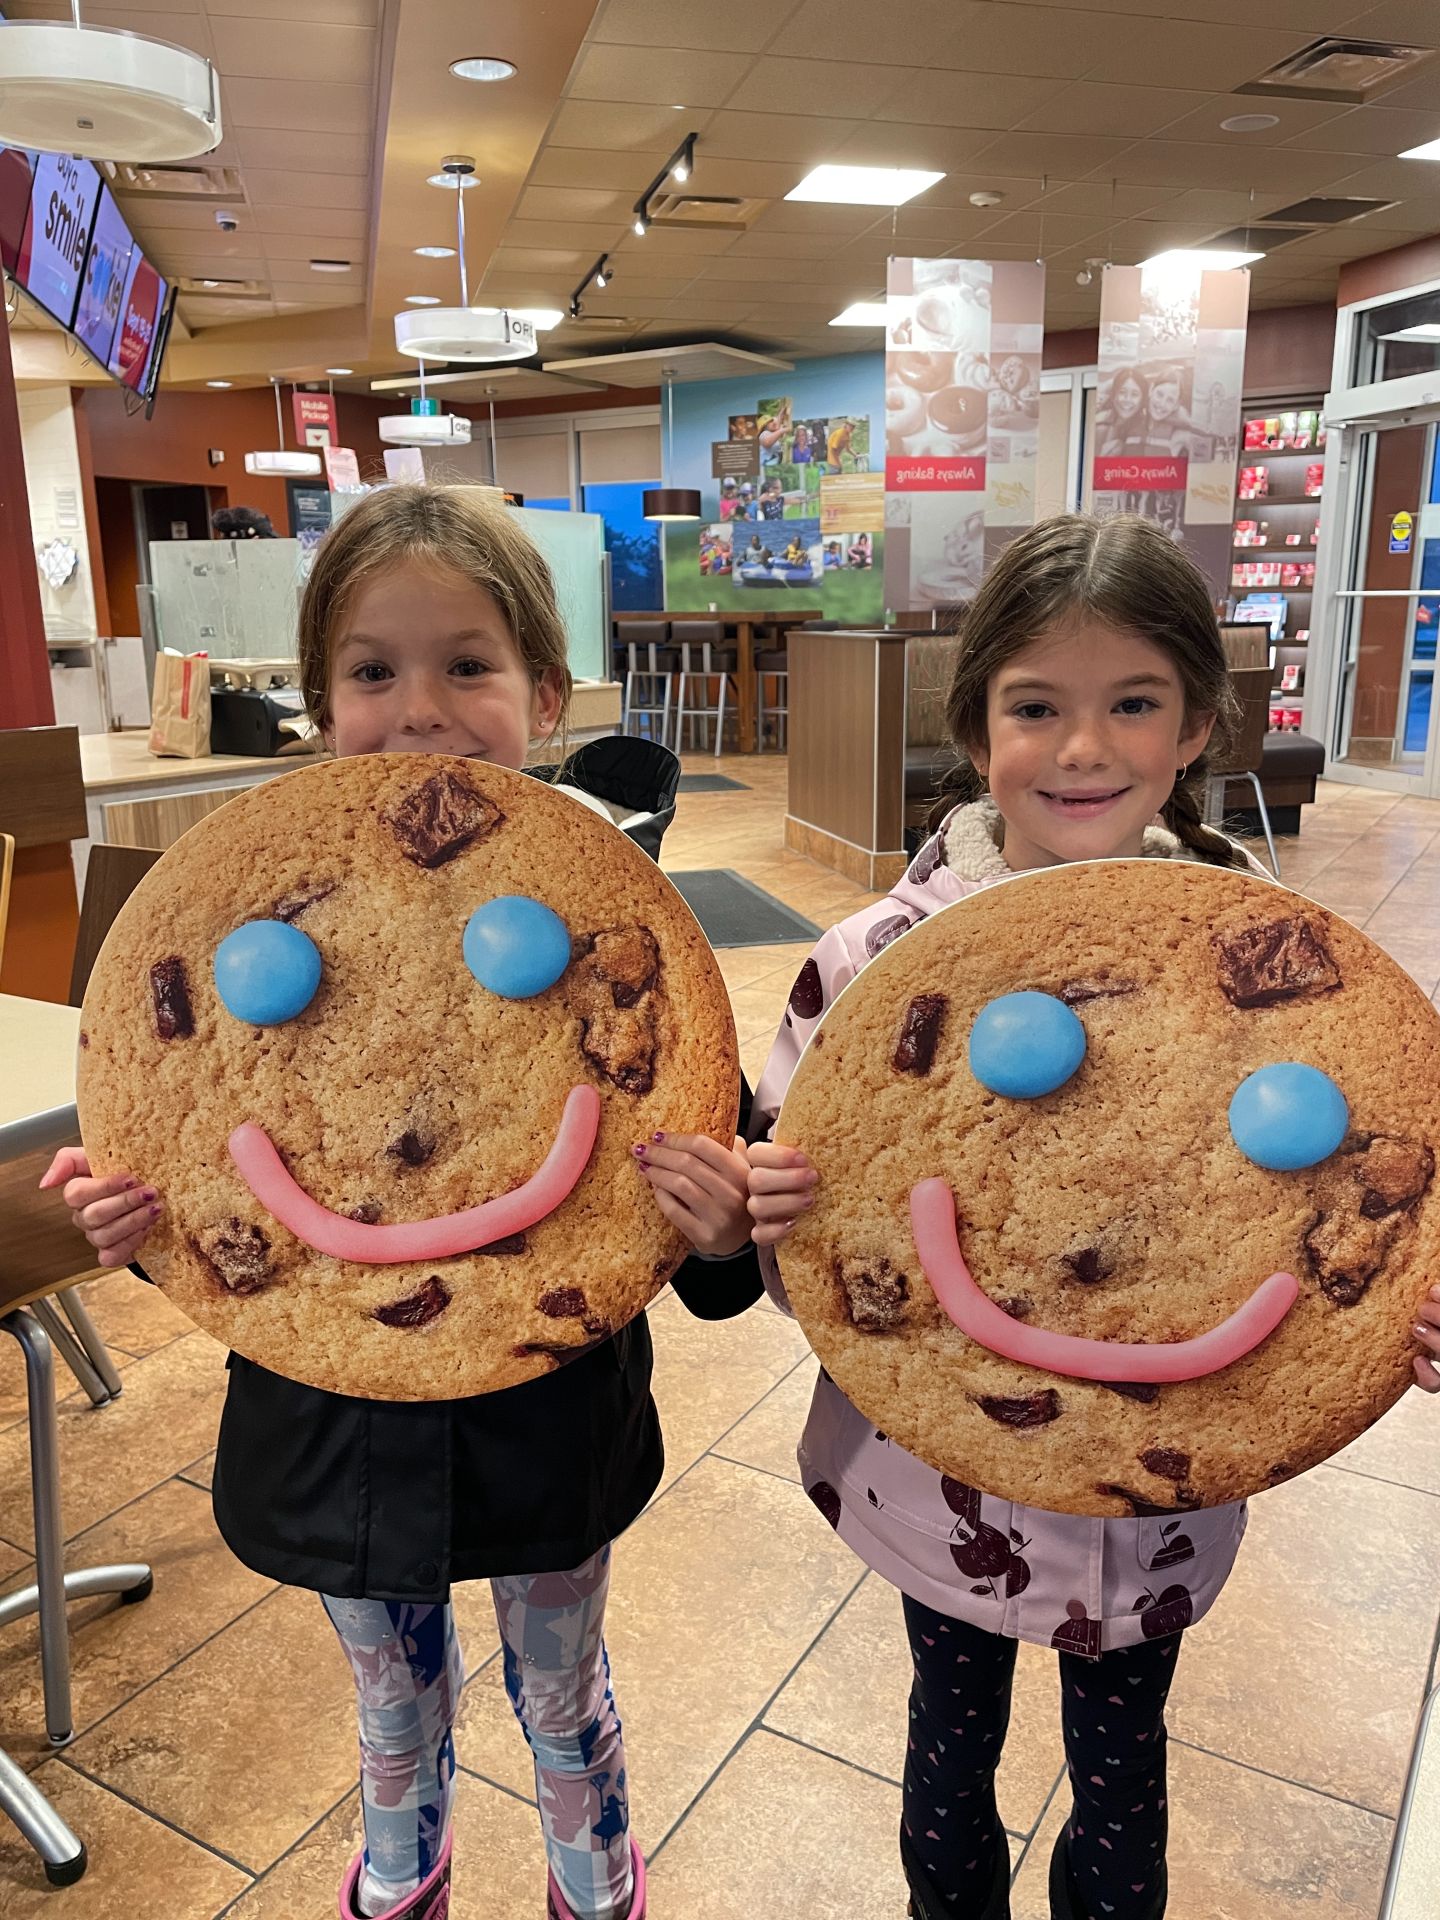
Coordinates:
x,y
973,836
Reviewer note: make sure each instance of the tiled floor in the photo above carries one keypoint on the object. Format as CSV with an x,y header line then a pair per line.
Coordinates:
x,y
760,1671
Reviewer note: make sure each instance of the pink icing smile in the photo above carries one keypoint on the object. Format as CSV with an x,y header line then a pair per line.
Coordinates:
x,y
265,1173
937,1241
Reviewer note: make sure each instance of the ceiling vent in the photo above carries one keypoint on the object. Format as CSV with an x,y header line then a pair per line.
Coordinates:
x,y
729,213
1338,68
176,183
1323,211
198,287
1257,237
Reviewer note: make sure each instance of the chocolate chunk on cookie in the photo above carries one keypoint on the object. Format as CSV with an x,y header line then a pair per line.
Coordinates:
x,y
1020,1410
442,817
1365,1197
291,905
170,998
920,1031
1102,987
416,1309
237,1253
612,983
875,1292
1277,960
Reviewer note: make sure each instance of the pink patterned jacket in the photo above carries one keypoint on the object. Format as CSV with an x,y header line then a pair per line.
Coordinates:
x,y
1059,1580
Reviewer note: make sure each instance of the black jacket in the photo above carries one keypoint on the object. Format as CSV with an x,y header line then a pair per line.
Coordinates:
x,y
395,1500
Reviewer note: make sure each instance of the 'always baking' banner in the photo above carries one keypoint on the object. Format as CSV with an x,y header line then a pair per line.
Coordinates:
x,y
962,418
1167,418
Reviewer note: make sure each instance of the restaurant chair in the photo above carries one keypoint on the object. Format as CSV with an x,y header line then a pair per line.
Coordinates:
x,y
704,659
650,666
637,780
1251,686
772,670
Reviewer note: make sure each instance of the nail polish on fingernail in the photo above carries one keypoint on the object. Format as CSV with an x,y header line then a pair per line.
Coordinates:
x,y
639,1152
658,1137
131,1183
787,1223
150,1194
1421,1331
155,1213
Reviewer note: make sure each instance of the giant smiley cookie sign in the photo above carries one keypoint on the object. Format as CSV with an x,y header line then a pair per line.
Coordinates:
x,y
384,1032
1127,1193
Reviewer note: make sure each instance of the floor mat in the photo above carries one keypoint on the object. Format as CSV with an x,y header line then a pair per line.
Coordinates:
x,y
734,912
710,783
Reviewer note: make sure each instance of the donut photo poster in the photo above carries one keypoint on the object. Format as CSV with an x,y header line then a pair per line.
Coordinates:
x,y
1127,1196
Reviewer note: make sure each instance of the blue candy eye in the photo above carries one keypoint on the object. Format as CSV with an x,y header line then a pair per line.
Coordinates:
x,y
516,947
1024,1045
1288,1116
266,972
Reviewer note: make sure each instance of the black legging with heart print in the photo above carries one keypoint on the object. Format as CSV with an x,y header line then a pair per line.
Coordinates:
x,y
1113,1720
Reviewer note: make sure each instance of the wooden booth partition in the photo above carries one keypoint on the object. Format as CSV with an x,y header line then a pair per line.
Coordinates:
x,y
42,808
847,752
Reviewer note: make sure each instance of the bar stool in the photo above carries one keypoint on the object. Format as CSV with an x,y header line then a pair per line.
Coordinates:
x,y
703,657
772,666
649,665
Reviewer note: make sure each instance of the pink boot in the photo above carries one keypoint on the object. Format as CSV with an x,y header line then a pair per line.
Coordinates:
x,y
429,1901
556,1908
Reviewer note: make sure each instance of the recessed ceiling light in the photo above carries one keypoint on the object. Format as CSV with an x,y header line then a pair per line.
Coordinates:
x,y
861,313
451,180
421,300
1249,122
436,253
863,186
1430,151
219,383
338,371
329,266
482,67
1211,259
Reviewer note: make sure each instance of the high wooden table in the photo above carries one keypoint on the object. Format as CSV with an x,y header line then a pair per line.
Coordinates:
x,y
740,628
846,742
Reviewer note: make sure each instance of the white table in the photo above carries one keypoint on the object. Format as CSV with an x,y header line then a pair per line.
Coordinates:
x,y
37,1084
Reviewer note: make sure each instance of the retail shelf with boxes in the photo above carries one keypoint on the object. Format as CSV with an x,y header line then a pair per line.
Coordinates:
x,y
1277,530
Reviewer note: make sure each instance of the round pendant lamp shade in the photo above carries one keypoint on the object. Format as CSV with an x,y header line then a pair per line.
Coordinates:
x,y
422,428
464,334
281,464
104,94
671,503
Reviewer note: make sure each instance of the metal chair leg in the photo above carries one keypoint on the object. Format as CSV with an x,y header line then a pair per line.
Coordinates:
x,y
89,1337
62,1854
70,1351
720,716
53,1585
1254,780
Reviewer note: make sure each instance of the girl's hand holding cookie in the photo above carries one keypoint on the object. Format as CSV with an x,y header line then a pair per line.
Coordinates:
x,y
115,1214
782,1184
702,1188
1427,1332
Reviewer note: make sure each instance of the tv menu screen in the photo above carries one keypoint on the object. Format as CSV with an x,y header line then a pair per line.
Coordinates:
x,y
57,232
17,175
141,307
107,273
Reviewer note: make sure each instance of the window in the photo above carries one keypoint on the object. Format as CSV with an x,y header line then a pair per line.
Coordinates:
x,y
637,578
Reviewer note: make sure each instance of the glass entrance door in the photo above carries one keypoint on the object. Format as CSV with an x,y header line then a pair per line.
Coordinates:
x,y
1385,606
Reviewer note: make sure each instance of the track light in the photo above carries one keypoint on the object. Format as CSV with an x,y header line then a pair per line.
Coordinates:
x,y
600,281
679,166
597,277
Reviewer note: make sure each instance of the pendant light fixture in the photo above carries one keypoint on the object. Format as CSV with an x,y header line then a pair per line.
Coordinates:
x,y
280,463
669,503
463,333
104,94
424,425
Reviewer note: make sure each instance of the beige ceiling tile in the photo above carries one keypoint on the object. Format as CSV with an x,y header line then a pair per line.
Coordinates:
x,y
964,99
289,147
553,233
1104,199
574,203
346,190
1044,41
938,227
145,216
1061,156
180,30
657,73
764,136
197,262
1401,222
1137,239
1143,47
891,143
758,179
758,244
339,13
625,126
1042,231
526,260
1414,182
815,216
631,286
587,167
330,223
319,105
735,269
676,245
1090,107
739,26
1422,91
321,290
824,28
1383,131
310,246
1223,206
1292,117
1174,163
345,55
1409,21
787,85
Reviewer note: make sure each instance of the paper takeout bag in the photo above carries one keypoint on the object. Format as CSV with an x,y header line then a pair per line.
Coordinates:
x,y
180,706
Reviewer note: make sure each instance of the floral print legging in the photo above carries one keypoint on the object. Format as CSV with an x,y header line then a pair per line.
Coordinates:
x,y
408,1676
1113,1720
